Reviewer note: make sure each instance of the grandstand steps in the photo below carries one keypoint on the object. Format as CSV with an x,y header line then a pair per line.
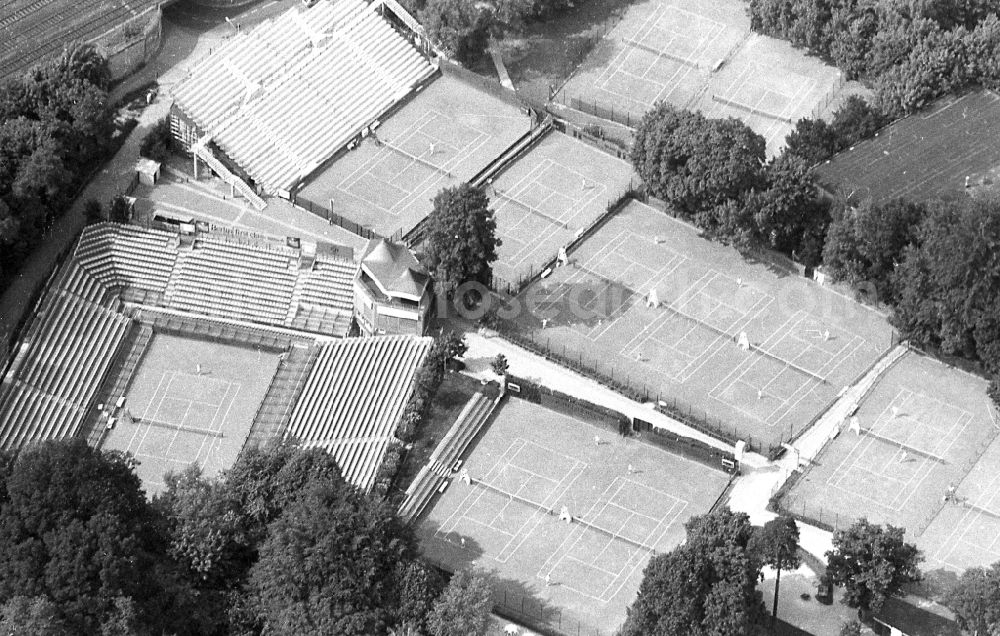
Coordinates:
x,y
206,155
271,419
450,449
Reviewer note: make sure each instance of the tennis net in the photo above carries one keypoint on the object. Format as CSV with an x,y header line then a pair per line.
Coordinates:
x,y
906,447
410,155
664,54
180,427
551,219
549,511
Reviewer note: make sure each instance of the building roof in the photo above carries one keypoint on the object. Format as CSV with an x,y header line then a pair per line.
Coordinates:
x,y
283,97
31,30
926,155
353,400
394,268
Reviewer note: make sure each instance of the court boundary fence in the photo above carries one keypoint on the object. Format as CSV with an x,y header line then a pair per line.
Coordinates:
x,y
676,409
612,420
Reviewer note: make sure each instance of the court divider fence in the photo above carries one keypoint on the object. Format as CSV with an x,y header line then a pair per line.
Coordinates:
x,y
595,369
617,422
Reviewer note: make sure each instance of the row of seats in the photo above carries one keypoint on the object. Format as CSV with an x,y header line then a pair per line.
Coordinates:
x,y
328,284
439,466
62,360
126,255
311,80
354,398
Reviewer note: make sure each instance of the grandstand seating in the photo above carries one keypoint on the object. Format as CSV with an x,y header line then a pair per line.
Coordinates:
x,y
218,275
128,256
284,97
60,361
354,398
231,279
467,425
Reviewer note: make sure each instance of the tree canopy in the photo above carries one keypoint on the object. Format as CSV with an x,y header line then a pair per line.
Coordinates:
x,y
464,608
976,600
777,545
707,586
75,529
872,562
695,163
909,52
55,123
461,240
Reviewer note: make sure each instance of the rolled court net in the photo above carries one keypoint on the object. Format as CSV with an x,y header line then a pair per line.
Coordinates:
x,y
663,54
549,511
410,155
722,332
551,219
906,447
179,427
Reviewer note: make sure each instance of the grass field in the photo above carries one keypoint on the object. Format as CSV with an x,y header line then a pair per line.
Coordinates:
x,y
918,157
925,427
806,342
594,565
702,56
549,195
183,417
440,138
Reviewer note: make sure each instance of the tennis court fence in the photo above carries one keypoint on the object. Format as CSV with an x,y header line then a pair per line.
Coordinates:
x,y
598,369
513,288
617,422
339,220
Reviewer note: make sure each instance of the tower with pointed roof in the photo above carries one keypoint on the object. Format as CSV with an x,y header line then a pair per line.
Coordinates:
x,y
392,291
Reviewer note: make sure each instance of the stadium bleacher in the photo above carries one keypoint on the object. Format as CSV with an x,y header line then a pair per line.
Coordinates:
x,y
285,96
221,275
353,399
60,361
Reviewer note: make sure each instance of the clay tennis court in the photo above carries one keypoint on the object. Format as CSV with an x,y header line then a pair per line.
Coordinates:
x,y
191,401
440,138
531,463
804,342
925,429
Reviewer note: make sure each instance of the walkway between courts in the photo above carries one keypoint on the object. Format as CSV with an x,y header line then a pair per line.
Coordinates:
x,y
523,363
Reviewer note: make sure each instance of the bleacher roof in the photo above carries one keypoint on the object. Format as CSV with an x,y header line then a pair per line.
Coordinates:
x,y
285,96
925,155
222,275
32,30
354,398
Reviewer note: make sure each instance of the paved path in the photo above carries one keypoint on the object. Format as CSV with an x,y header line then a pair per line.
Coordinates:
x,y
523,363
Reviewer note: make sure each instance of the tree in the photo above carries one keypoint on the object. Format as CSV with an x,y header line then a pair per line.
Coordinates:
x,y
855,120
851,628
873,563
777,544
75,527
328,564
696,164
499,364
948,283
788,215
37,616
976,600
463,608
156,144
865,243
119,209
459,27
461,238
707,586
813,140
92,211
